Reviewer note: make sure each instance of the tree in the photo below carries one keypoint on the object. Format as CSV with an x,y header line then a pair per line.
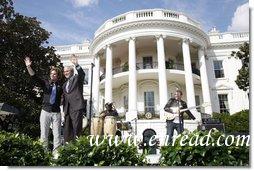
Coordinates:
x,y
22,36
243,54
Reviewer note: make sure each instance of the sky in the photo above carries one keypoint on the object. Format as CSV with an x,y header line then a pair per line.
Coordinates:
x,y
75,21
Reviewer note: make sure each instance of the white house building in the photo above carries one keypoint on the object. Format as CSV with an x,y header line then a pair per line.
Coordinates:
x,y
141,57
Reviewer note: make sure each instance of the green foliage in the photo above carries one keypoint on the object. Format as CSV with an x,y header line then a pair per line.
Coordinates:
x,y
20,150
80,153
243,54
169,64
85,131
125,67
210,155
22,36
236,123
242,80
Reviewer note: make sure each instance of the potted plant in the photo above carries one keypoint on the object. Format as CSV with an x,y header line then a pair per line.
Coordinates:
x,y
169,64
125,67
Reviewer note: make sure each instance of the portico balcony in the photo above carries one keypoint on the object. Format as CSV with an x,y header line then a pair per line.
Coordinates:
x,y
150,66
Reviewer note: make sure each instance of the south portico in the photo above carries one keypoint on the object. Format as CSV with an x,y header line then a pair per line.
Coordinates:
x,y
132,112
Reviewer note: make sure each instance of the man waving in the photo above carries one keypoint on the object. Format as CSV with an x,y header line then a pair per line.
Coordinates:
x,y
73,102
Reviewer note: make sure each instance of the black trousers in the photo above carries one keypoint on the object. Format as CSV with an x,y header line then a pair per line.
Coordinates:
x,y
171,126
73,125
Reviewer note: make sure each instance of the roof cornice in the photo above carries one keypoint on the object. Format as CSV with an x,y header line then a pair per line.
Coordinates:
x,y
148,24
227,44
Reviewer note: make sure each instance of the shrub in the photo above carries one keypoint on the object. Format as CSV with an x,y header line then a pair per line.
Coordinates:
x,y
80,153
236,123
20,150
211,155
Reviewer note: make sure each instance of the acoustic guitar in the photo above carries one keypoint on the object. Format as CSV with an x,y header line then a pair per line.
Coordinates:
x,y
176,111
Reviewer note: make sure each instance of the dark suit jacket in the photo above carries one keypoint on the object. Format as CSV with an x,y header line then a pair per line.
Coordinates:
x,y
174,103
74,99
46,86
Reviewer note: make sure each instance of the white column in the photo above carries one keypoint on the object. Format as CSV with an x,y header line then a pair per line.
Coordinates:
x,y
163,90
96,85
132,97
204,80
190,93
108,78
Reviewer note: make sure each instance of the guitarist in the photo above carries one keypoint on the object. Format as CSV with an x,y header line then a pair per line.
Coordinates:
x,y
177,122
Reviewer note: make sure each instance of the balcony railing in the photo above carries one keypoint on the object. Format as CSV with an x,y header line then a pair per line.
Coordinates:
x,y
68,49
176,66
147,14
217,37
153,65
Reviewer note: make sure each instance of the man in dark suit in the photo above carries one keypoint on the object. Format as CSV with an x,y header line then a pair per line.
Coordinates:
x,y
177,121
74,104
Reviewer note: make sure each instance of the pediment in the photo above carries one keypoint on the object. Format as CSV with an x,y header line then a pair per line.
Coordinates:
x,y
223,87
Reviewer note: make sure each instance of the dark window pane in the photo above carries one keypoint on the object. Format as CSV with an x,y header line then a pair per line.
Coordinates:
x,y
218,69
147,62
223,101
149,101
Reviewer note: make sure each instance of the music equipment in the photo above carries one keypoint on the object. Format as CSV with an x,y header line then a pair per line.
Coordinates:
x,y
96,125
110,125
177,110
123,125
207,127
210,121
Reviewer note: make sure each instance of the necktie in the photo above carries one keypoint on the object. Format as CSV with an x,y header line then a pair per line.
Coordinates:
x,y
53,95
67,86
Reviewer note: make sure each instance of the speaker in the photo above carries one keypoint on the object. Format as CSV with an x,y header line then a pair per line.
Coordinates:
x,y
207,127
210,121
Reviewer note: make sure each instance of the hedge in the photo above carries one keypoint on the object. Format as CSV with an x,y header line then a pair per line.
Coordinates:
x,y
81,153
20,150
210,155
236,123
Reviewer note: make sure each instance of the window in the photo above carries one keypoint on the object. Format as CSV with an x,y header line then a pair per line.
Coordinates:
x,y
149,101
147,135
147,62
194,68
218,69
223,100
125,102
86,76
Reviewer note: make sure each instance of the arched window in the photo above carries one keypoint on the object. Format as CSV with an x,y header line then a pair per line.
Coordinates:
x,y
147,134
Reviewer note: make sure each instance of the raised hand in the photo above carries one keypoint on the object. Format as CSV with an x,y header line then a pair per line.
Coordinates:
x,y
28,61
74,60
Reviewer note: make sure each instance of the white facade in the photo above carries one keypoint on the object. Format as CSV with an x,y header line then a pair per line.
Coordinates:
x,y
131,54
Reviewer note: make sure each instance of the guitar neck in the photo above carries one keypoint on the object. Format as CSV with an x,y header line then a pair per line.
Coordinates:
x,y
189,108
